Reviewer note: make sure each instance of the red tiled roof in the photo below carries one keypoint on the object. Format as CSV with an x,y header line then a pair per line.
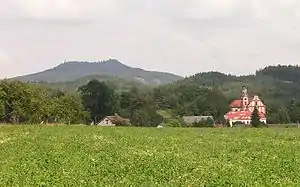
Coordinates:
x,y
242,115
262,115
236,103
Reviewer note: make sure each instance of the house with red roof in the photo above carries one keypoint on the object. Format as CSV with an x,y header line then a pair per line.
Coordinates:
x,y
241,109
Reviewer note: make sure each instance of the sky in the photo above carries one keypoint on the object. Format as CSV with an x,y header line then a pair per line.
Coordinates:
x,y
178,36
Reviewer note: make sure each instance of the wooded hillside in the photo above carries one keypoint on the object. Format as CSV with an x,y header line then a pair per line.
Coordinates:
x,y
278,87
202,94
74,70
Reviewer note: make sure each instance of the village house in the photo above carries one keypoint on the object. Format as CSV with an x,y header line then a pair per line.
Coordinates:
x,y
241,109
115,120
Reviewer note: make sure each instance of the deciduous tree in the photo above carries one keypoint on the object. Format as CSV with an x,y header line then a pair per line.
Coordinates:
x,y
99,99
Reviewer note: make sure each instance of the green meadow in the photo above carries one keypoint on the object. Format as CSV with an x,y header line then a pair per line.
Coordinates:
x,y
95,156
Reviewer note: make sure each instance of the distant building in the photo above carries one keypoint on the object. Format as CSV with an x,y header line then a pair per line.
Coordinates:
x,y
189,120
107,121
115,120
241,109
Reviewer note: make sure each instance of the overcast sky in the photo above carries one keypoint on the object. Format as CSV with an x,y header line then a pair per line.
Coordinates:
x,y
178,36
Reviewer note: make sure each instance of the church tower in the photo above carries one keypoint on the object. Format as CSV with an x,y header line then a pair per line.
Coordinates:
x,y
245,98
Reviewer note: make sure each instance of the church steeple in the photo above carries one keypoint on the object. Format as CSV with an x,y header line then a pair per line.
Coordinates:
x,y
245,98
244,91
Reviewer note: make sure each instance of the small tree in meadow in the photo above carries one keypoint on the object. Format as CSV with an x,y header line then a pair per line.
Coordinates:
x,y
255,120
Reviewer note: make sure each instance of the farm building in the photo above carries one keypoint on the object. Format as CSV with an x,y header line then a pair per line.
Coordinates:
x,y
115,120
241,109
189,120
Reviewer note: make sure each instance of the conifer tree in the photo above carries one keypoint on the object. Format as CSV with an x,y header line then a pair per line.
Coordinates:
x,y
255,120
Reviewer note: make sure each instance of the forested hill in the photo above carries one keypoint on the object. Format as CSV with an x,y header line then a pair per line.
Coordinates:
x,y
272,83
278,86
73,70
114,82
284,73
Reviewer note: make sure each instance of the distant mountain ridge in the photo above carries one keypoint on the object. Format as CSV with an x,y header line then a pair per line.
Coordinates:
x,y
73,70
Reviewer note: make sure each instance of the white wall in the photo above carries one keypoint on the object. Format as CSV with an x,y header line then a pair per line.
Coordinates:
x,y
106,122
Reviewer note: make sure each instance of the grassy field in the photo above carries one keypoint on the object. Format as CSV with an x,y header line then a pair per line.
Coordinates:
x,y
91,156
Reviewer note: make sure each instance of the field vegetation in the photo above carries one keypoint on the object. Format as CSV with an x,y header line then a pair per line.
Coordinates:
x,y
40,155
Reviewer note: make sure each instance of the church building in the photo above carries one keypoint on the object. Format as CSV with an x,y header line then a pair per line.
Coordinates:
x,y
241,109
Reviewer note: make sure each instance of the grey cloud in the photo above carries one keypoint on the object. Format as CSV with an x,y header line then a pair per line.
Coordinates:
x,y
183,37
60,11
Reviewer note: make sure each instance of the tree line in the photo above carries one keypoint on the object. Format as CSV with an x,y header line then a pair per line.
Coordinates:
x,y
25,103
